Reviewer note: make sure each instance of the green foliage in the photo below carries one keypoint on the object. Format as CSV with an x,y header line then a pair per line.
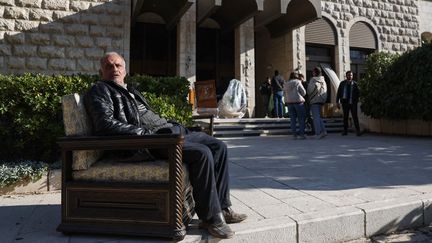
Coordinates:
x,y
170,86
30,113
399,87
11,172
166,95
171,108
31,116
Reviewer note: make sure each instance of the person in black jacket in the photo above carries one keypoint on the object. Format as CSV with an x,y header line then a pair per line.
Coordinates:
x,y
116,108
348,95
277,89
265,91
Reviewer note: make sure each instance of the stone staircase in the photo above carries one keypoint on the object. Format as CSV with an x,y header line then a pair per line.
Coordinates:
x,y
265,126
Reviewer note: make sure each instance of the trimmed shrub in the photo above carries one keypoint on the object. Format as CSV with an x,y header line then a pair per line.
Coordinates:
x,y
398,87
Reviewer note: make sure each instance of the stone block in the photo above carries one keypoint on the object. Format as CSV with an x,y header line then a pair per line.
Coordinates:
x,y
63,40
24,50
55,4
39,39
85,65
29,3
14,37
99,7
16,13
40,14
57,64
36,63
94,53
392,215
115,32
98,30
118,44
337,225
7,24
66,16
79,6
74,52
16,62
103,42
26,25
7,2
114,9
76,29
51,51
52,28
91,19
85,41
5,50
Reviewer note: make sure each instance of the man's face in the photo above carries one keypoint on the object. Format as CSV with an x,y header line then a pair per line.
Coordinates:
x,y
113,68
349,76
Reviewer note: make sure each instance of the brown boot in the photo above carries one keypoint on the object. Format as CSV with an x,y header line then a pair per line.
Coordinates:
x,y
217,227
232,217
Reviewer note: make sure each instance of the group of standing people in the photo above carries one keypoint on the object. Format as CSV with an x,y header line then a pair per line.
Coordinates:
x,y
303,98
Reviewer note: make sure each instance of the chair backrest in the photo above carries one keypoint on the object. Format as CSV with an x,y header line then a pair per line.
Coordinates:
x,y
77,123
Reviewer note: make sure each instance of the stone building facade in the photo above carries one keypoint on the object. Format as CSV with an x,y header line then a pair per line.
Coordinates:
x,y
69,36
52,36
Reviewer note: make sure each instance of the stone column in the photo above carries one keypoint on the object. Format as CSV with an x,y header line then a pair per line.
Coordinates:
x,y
186,46
245,62
298,51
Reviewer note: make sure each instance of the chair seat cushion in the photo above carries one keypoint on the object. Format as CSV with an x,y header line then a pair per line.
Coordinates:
x,y
113,171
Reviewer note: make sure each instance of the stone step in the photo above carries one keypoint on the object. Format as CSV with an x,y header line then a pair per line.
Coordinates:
x,y
264,126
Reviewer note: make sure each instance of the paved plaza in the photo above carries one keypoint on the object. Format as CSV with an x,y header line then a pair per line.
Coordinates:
x,y
336,189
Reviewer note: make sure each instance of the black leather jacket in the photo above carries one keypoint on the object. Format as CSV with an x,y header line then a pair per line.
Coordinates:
x,y
113,111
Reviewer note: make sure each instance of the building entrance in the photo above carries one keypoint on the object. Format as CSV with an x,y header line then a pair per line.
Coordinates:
x,y
215,58
153,49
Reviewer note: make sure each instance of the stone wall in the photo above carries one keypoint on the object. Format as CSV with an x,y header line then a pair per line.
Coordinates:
x,y
67,36
396,21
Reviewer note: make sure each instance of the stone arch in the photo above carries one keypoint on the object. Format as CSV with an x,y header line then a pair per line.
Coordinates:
x,y
369,23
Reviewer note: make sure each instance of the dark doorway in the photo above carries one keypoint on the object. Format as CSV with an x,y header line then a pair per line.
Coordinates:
x,y
153,49
215,57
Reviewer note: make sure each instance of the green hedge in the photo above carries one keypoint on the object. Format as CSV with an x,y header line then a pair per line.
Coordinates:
x,y
31,117
398,86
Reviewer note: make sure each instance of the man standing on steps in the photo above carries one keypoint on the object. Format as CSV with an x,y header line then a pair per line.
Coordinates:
x,y
348,95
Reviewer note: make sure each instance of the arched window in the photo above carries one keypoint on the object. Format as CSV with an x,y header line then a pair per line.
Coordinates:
x,y
321,40
363,42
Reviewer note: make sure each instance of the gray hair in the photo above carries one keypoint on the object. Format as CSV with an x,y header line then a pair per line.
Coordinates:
x,y
110,53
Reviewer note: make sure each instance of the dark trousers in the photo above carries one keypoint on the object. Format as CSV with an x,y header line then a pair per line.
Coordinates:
x,y
346,108
207,162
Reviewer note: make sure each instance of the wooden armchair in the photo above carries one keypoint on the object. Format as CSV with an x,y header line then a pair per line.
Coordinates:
x,y
131,197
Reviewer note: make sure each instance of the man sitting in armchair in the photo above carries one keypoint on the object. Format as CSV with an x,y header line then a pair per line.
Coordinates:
x,y
118,109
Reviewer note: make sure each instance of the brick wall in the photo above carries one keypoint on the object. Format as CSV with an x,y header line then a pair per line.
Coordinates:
x,y
67,36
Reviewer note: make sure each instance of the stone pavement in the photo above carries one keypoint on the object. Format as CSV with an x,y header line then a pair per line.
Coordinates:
x,y
338,189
